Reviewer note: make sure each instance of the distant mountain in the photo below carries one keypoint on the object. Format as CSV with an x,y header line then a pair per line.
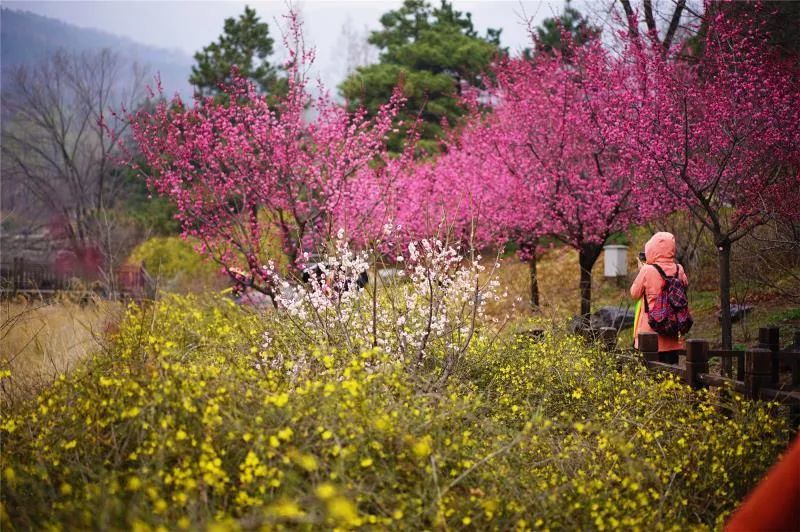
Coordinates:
x,y
26,38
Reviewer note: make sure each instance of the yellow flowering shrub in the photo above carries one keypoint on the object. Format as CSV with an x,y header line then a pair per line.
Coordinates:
x,y
186,422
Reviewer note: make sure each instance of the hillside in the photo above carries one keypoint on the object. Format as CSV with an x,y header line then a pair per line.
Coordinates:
x,y
26,38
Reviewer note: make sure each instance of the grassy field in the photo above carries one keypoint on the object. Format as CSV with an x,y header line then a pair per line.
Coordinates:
x,y
42,339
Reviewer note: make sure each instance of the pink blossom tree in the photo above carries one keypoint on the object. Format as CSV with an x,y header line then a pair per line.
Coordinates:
x,y
556,132
495,205
718,133
240,170
466,194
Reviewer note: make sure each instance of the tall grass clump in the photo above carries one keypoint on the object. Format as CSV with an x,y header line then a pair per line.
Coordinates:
x,y
331,413
41,339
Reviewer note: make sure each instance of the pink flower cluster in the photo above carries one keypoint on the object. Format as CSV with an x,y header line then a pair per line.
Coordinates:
x,y
242,172
584,143
576,145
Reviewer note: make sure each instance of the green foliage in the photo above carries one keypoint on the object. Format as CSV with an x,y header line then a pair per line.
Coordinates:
x,y
155,215
789,314
190,418
245,43
572,22
174,262
431,52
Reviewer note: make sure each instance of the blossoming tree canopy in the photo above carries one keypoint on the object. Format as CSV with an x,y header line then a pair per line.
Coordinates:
x,y
719,132
242,172
557,133
484,197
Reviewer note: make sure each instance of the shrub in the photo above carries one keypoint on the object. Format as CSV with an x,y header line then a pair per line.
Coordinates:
x,y
175,263
424,318
183,422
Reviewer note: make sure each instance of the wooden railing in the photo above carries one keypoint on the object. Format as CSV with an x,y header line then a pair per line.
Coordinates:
x,y
42,280
758,369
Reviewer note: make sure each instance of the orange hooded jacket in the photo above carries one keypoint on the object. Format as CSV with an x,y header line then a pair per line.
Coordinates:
x,y
660,249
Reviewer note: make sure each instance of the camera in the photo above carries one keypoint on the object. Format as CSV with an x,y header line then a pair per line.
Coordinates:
x,y
642,258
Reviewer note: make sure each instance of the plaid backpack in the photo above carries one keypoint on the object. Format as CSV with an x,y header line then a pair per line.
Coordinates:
x,y
670,313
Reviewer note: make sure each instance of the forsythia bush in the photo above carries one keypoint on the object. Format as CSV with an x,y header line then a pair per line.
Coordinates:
x,y
184,424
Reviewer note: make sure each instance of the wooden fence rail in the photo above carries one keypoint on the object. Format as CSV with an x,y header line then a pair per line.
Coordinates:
x,y
39,279
758,369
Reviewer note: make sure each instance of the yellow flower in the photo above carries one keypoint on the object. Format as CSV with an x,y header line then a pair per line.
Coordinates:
x,y
366,462
9,475
307,462
422,447
325,491
341,509
285,509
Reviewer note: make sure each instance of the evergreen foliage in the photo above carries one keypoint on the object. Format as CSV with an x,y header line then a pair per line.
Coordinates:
x,y
572,22
433,52
244,43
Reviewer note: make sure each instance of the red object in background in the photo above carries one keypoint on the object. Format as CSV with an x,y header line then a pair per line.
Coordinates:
x,y
774,504
84,263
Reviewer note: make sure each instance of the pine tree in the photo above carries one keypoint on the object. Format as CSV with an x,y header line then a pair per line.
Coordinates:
x,y
244,43
571,21
433,52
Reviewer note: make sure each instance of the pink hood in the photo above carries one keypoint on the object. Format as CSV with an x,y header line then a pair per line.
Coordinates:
x,y
660,248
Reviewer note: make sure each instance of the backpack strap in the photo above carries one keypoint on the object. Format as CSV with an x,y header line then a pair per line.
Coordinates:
x,y
664,275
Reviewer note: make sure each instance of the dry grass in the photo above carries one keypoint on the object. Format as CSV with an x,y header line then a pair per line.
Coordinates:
x,y
43,339
559,294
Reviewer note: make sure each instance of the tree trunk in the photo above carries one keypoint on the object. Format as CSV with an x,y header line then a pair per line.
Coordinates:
x,y
534,282
724,250
587,256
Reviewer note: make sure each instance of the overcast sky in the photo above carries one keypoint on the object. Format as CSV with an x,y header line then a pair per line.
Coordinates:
x,y
190,25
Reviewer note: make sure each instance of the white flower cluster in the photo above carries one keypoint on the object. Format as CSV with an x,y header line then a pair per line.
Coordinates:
x,y
424,315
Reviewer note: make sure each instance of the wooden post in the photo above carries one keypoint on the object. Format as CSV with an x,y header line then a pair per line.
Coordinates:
x,y
796,362
17,274
757,371
740,368
769,338
696,362
648,345
794,411
608,335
